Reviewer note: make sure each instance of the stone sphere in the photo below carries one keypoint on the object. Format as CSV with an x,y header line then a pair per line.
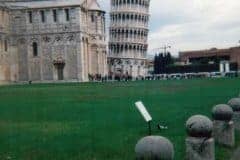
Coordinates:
x,y
199,126
222,112
154,148
235,104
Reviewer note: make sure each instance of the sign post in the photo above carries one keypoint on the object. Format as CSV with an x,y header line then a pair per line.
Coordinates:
x,y
149,128
147,117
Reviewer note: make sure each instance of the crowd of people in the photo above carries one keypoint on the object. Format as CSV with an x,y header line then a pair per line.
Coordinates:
x,y
178,76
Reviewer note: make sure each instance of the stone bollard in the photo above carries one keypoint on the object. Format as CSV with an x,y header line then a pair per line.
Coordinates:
x,y
199,143
235,105
223,126
154,148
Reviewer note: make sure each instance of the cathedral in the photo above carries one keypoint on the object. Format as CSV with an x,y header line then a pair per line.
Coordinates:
x,y
52,40
65,40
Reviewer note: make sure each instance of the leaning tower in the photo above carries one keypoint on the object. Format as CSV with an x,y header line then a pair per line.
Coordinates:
x,y
128,38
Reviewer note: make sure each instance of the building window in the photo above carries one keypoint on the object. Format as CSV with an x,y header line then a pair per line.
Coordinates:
x,y
30,16
55,15
5,45
92,18
67,14
35,49
42,13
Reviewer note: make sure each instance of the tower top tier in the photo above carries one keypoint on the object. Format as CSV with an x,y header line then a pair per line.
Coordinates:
x,y
141,6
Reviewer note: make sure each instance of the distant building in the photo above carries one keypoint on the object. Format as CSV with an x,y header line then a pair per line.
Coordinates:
x,y
52,40
128,37
211,56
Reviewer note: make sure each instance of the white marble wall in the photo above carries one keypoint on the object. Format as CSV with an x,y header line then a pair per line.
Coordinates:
x,y
69,41
128,37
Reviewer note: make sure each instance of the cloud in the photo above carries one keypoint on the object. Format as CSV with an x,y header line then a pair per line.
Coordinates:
x,y
194,24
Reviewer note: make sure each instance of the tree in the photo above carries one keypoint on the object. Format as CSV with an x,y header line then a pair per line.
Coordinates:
x,y
161,61
156,66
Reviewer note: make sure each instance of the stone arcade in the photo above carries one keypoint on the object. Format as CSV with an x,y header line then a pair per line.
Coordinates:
x,y
52,40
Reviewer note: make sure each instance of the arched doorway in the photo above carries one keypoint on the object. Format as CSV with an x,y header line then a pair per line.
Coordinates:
x,y
60,71
59,65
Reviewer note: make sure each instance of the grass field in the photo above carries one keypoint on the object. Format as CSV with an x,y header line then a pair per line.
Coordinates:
x,y
99,121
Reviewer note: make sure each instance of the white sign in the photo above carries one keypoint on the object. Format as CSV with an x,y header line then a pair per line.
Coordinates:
x,y
143,111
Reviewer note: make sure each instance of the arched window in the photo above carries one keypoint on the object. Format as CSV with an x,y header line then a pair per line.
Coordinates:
x,y
92,17
131,17
67,15
123,17
126,47
127,17
121,48
42,13
30,16
131,34
135,34
35,49
5,45
55,15
136,17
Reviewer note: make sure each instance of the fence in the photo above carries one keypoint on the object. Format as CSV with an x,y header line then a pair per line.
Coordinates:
x,y
198,68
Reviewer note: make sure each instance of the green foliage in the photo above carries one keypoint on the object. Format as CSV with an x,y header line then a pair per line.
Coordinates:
x,y
99,121
161,61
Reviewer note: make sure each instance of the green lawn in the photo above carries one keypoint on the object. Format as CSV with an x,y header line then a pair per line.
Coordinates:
x,y
99,121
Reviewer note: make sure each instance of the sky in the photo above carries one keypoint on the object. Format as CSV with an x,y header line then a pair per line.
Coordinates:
x,y
191,24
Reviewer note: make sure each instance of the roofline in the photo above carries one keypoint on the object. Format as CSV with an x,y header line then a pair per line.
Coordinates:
x,y
12,7
209,50
47,7
97,10
17,6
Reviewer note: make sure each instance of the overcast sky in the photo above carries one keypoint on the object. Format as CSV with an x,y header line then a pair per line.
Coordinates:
x,y
192,24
